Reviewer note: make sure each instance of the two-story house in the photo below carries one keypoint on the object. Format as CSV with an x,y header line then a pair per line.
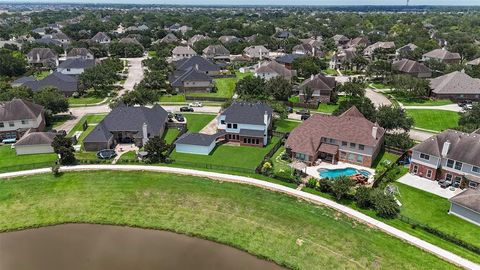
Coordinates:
x,y
82,53
101,38
17,116
451,155
256,52
349,138
322,88
42,56
181,52
272,69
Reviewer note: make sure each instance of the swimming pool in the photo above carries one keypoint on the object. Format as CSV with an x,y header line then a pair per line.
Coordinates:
x,y
334,173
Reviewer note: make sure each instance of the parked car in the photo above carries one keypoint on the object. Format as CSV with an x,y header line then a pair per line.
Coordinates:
x,y
445,184
303,112
179,117
195,104
305,116
186,109
289,109
106,154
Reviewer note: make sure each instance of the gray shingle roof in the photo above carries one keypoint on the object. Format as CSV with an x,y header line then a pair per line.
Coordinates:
x,y
36,138
319,82
123,118
442,54
464,147
470,198
100,36
288,58
42,53
184,50
247,113
199,139
275,67
62,82
251,132
24,79
190,75
77,63
197,62
19,109
216,50
410,66
76,52
455,83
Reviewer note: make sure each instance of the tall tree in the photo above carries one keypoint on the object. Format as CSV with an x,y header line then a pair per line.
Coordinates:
x,y
251,88
63,147
279,88
51,99
156,149
391,118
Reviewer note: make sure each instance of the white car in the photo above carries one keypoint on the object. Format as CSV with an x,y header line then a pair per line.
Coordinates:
x,y
195,104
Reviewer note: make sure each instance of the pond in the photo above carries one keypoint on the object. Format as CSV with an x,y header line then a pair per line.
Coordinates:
x,y
86,246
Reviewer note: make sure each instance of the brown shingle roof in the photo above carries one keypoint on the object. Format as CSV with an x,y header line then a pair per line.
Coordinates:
x,y
442,55
19,109
410,66
274,67
36,138
351,126
469,198
319,82
455,83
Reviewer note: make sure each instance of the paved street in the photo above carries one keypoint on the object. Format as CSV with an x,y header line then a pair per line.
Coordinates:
x,y
135,74
419,135
444,254
378,99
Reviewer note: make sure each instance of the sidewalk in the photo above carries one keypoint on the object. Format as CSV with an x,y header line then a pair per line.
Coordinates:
x,y
446,255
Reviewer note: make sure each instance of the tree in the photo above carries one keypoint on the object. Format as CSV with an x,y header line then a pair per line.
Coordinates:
x,y
380,68
362,197
308,66
341,186
391,118
251,88
63,147
8,93
411,87
359,62
280,88
384,204
156,149
473,71
435,65
363,104
307,93
353,89
51,99
399,140
11,65
126,49
470,119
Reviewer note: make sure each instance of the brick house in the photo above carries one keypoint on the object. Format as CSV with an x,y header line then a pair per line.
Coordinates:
x,y
451,155
322,87
349,138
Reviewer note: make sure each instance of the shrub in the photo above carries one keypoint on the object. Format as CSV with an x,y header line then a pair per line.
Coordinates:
x,y
312,182
325,185
56,170
362,197
385,205
341,186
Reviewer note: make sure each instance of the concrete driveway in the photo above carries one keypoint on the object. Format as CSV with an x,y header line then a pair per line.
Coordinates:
x,y
378,99
135,74
449,107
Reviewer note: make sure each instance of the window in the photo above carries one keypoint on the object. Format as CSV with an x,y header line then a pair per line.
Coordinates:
x,y
257,141
351,157
222,122
359,158
344,143
361,147
229,125
2,125
11,124
472,184
24,122
424,156
244,140
332,140
343,155
415,169
458,166
429,173
450,163
476,169
448,177
235,126
352,145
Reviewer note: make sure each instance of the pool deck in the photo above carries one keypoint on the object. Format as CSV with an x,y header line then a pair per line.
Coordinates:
x,y
313,170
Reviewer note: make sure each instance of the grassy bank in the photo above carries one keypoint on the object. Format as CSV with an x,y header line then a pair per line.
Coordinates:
x,y
291,232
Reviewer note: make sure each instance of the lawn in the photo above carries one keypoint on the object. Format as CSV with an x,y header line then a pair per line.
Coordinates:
x,y
384,158
170,135
406,101
40,75
84,100
131,155
291,232
242,157
285,125
225,86
434,212
9,161
84,134
330,71
330,108
379,85
196,121
90,118
58,120
86,155
278,163
437,120
172,98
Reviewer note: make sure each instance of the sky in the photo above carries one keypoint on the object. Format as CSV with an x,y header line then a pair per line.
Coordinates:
x,y
270,2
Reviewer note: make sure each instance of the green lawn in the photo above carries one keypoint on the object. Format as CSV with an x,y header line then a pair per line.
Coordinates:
x,y
330,71
84,100
57,120
84,134
225,86
170,135
244,157
152,53
41,74
90,118
434,212
330,108
172,98
379,85
286,125
9,161
291,232
196,121
86,155
437,120
131,155
278,163
420,101
383,159
294,99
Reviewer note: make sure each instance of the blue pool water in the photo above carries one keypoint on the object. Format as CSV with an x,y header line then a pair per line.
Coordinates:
x,y
333,173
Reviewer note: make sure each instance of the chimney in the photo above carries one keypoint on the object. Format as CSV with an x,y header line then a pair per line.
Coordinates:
x,y
445,148
374,131
196,66
265,118
145,134
312,76
38,57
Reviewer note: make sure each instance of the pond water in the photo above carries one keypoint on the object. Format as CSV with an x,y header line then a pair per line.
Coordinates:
x,y
85,246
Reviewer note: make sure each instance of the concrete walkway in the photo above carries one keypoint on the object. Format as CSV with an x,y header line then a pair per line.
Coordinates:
x,y
446,255
449,107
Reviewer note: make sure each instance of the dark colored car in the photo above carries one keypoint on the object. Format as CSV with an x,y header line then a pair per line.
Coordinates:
x,y
186,109
303,112
179,117
445,184
289,109
305,116
106,154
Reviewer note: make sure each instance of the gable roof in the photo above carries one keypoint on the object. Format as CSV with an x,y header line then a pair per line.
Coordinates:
x,y
197,62
319,82
247,113
474,62
62,82
77,63
190,75
36,138
43,53
19,109
455,83
169,38
184,50
124,118
100,36
359,41
410,66
442,54
275,67
74,52
288,58
351,126
252,50
197,139
216,50
408,47
379,45
470,198
464,147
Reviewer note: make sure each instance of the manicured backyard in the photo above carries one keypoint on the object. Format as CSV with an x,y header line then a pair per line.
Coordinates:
x,y
84,100
286,125
9,161
242,157
170,135
330,108
437,120
90,118
196,122
172,98
225,86
284,229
